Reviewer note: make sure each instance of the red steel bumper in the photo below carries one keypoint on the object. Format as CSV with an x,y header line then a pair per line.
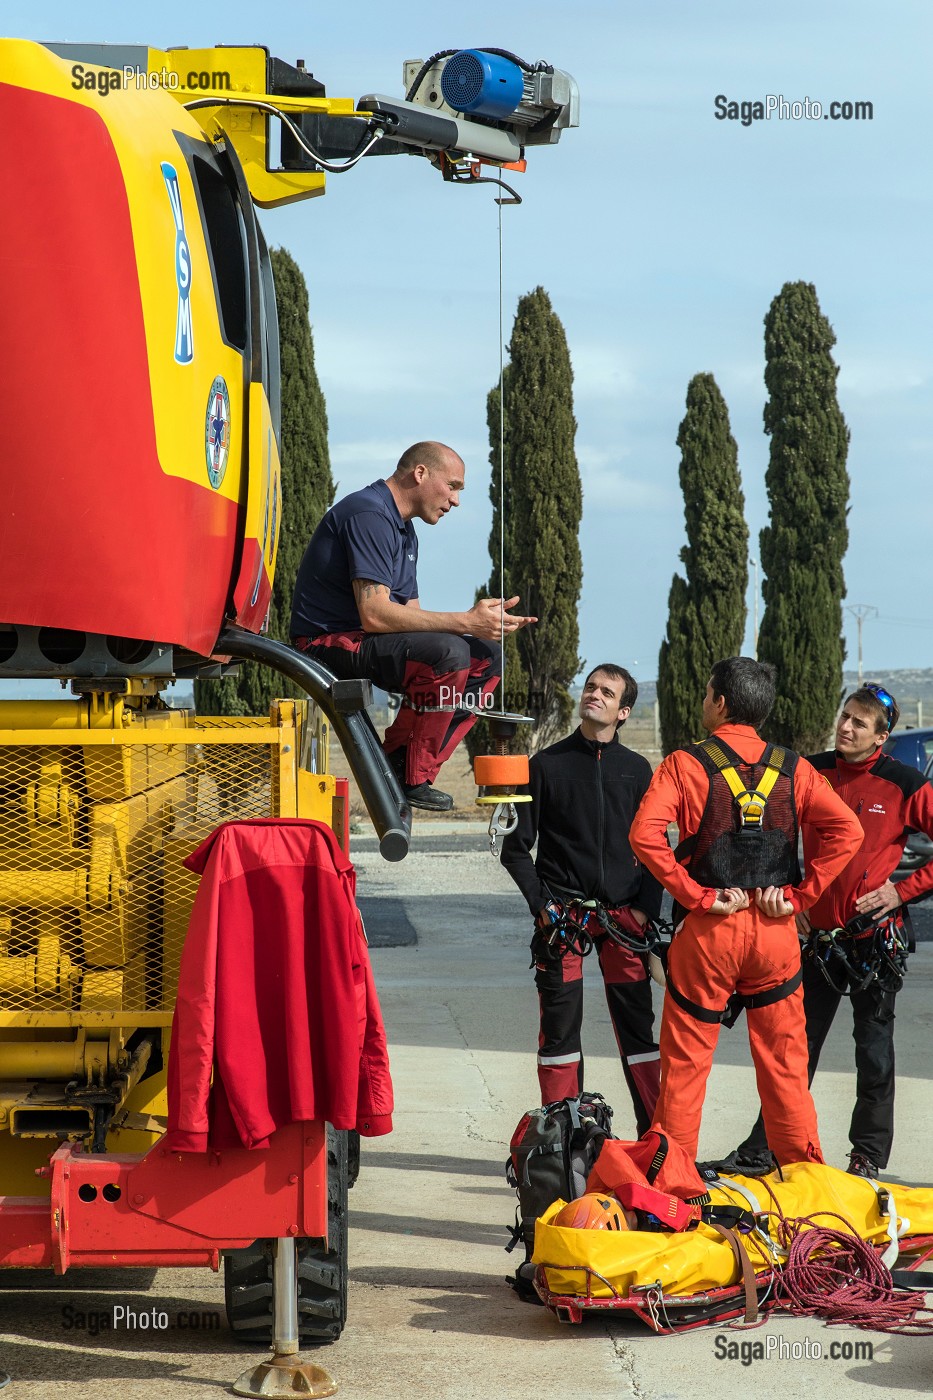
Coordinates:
x,y
167,1208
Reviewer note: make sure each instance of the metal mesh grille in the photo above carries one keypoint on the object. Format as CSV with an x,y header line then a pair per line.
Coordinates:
x,y
462,80
94,900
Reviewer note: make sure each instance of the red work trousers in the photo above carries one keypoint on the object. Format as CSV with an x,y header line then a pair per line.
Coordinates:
x,y
628,997
447,682
710,957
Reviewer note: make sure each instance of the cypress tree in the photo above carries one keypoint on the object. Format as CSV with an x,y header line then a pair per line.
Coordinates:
x,y
307,491
543,506
803,547
706,610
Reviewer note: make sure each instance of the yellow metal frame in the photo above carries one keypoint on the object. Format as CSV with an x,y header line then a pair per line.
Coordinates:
x,y
126,748
299,793
235,78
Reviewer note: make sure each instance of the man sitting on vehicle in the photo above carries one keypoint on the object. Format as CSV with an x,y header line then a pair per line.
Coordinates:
x,y
356,607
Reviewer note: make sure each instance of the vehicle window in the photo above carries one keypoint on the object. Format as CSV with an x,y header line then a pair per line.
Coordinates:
x,y
223,231
271,375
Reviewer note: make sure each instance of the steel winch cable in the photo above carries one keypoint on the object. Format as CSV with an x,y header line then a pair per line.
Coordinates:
x,y
510,197
501,455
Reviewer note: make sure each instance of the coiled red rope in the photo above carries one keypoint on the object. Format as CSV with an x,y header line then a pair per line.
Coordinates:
x,y
838,1276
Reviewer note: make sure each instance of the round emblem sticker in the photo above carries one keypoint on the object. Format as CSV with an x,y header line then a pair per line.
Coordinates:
x,y
217,431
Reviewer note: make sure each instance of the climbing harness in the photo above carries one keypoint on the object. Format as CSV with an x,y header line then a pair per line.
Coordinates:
x,y
566,931
574,925
743,842
865,952
751,801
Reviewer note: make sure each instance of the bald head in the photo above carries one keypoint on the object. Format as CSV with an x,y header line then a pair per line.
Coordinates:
x,y
433,455
427,482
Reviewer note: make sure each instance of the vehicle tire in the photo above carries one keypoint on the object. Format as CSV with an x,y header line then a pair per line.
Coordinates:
x,y
322,1272
353,1157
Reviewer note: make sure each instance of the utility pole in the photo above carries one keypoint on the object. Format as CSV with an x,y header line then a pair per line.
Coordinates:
x,y
754,564
860,611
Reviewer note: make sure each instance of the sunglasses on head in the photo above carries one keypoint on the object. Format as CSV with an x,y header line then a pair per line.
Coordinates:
x,y
881,695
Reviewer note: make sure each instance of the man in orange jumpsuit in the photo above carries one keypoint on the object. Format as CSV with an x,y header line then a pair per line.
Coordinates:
x,y
736,885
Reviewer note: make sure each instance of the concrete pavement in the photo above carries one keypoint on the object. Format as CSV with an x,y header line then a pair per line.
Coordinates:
x,y
430,1314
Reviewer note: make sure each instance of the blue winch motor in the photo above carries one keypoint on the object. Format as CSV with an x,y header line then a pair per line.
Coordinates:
x,y
482,84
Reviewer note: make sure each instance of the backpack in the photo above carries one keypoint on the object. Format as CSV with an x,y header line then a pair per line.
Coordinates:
x,y
551,1153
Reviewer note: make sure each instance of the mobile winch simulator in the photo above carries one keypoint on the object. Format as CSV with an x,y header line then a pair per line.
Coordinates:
x,y
140,441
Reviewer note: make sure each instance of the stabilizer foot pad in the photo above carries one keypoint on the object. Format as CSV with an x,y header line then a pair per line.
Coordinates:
x,y
284,1376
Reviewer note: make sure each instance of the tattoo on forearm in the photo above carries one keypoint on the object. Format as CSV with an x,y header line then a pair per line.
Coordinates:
x,y
366,589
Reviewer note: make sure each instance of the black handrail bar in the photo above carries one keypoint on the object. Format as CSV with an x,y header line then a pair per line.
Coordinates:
x,y
378,784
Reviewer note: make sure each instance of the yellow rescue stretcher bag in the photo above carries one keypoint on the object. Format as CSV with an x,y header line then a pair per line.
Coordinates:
x,y
606,1264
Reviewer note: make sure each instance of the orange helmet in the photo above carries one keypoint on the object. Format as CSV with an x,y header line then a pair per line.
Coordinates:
x,y
595,1211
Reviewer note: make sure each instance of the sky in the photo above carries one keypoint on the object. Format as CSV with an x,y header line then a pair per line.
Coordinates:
x,y
661,235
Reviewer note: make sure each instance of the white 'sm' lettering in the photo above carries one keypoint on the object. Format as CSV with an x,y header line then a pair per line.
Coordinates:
x,y
184,329
184,335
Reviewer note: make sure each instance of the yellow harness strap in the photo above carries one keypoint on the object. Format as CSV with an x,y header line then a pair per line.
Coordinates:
x,y
751,803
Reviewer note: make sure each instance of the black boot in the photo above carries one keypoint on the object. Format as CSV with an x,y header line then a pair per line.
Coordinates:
x,y
396,761
742,1161
429,798
421,795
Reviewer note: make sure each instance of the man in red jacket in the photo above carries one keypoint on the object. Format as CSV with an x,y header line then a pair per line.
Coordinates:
x,y
890,799
738,804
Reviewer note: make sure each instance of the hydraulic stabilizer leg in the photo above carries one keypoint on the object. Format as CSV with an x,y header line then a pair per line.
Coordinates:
x,y
285,1374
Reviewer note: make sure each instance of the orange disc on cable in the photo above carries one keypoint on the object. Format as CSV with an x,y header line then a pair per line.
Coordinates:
x,y
500,769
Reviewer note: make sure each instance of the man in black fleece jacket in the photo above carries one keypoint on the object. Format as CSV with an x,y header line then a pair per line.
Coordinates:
x,y
585,792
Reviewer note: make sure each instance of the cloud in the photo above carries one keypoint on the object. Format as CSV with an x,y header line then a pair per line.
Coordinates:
x,y
868,375
609,488
602,370
346,363
374,451
384,452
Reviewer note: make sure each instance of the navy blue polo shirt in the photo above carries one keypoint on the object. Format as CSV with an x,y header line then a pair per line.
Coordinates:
x,y
362,536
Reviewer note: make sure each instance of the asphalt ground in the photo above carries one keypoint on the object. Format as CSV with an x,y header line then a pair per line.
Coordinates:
x,y
390,925
430,1314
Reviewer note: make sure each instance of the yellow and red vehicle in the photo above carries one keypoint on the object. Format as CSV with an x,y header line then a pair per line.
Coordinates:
x,y
139,403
